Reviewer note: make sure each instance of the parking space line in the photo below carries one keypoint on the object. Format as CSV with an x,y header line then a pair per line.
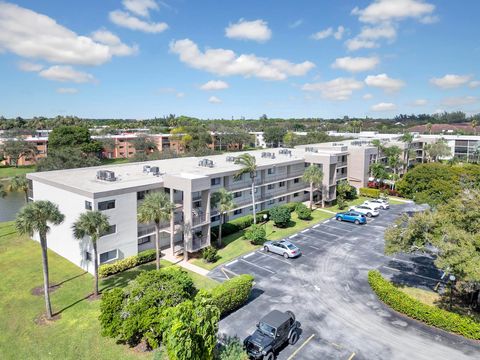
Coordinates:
x,y
248,255
260,267
352,356
301,346
291,237
225,271
410,273
231,262
314,227
304,231
274,257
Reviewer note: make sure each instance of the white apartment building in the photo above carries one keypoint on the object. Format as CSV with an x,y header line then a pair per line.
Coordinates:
x,y
117,191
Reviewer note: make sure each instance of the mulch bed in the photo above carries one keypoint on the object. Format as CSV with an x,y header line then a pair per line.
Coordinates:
x,y
42,319
38,291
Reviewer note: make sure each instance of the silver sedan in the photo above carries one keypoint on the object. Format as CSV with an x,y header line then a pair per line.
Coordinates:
x,y
282,247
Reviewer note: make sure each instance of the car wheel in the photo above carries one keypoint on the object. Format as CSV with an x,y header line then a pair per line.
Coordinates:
x,y
269,356
357,222
285,255
293,338
369,214
339,218
265,248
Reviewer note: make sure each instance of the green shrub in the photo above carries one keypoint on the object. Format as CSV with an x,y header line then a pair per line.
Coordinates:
x,y
303,212
242,222
280,215
209,254
231,294
369,192
341,203
291,206
232,349
256,234
127,263
415,309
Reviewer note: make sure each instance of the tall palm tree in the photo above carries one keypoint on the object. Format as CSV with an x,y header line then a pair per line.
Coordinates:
x,y
474,124
223,201
429,128
378,144
314,176
35,217
407,138
156,207
92,224
20,183
3,193
249,166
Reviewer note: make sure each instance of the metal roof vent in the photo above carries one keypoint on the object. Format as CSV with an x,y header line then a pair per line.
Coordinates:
x,y
106,175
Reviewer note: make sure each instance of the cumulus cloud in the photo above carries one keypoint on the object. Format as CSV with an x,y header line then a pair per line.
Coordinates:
x,y
367,96
124,19
115,44
370,35
384,107
337,34
459,101
226,62
295,24
420,102
214,100
214,85
32,35
336,89
66,74
140,7
171,90
474,84
256,30
394,10
29,66
384,82
356,64
67,90
450,81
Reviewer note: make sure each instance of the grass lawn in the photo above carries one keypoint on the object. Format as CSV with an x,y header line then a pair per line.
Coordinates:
x,y
76,335
10,171
358,201
236,245
114,161
427,297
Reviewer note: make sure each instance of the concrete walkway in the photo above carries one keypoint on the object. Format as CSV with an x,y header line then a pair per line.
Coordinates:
x,y
185,264
327,211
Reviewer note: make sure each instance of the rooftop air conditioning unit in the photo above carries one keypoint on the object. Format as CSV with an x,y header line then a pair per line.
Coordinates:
x,y
146,169
155,170
110,176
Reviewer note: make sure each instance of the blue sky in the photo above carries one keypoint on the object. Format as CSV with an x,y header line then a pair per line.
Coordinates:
x,y
146,58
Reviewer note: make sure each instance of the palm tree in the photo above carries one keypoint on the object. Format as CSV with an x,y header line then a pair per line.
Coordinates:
x,y
156,207
474,124
429,128
3,193
223,201
35,217
407,138
314,176
249,166
92,224
378,144
20,183
378,171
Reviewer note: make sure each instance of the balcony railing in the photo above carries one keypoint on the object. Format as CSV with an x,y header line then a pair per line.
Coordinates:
x,y
146,231
197,243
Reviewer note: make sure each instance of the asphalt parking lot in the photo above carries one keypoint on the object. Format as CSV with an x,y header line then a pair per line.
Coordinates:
x,y
327,289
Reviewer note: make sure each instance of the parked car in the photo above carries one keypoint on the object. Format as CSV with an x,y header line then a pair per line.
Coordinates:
x,y
351,216
383,204
273,331
282,247
368,210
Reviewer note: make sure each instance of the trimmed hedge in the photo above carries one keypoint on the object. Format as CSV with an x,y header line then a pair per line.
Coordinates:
x,y
415,309
368,192
238,224
127,263
232,294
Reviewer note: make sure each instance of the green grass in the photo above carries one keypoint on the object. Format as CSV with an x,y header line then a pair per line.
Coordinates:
x,y
425,296
358,201
236,245
10,171
76,335
114,161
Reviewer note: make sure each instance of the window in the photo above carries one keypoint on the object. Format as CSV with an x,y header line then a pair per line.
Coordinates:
x,y
281,184
88,256
237,194
215,181
237,179
271,202
271,186
215,218
111,230
237,212
106,205
306,164
88,205
296,181
296,194
282,198
271,171
109,256
144,240
141,194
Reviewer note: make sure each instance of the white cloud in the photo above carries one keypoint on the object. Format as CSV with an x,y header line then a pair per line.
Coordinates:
x,y
32,35
356,64
474,84
367,96
140,7
459,101
256,30
29,66
357,43
225,62
420,102
66,74
394,10
384,82
337,34
114,43
369,36
67,90
214,100
124,19
180,95
384,107
214,85
450,81
295,24
171,90
336,89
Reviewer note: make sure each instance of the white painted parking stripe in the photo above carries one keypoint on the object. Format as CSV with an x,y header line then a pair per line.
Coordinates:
x,y
248,255
275,257
261,267
231,262
301,346
291,237
326,221
304,231
316,226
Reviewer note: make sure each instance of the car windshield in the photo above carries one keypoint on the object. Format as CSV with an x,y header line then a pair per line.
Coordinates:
x,y
291,246
266,329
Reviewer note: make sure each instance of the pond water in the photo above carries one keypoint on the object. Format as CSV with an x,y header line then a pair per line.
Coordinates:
x,y
10,205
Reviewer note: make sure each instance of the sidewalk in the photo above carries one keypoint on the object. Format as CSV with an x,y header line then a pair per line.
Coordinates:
x,y
184,264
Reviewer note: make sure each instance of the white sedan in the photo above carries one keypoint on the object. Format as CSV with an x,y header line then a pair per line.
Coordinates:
x,y
383,204
367,210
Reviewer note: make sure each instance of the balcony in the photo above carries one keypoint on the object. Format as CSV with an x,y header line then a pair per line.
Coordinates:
x,y
197,243
342,164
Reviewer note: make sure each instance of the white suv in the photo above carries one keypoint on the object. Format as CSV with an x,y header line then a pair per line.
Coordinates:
x,y
383,204
367,210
